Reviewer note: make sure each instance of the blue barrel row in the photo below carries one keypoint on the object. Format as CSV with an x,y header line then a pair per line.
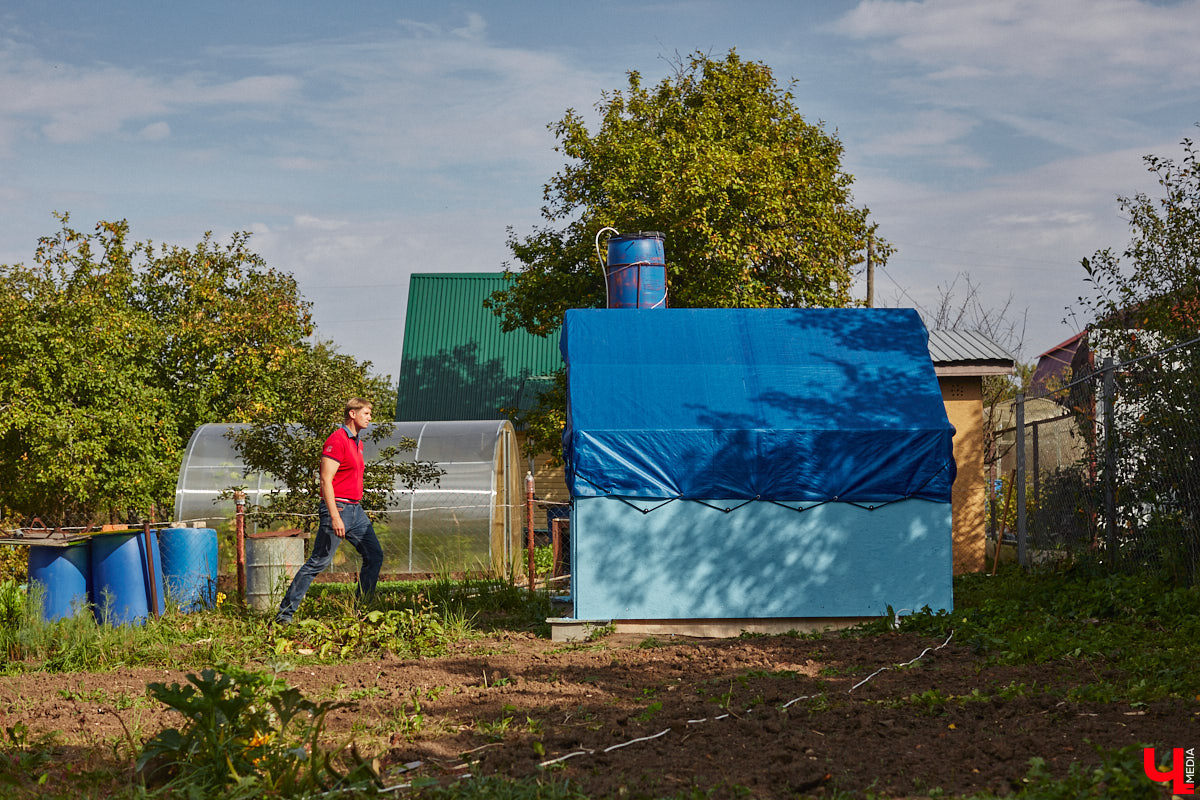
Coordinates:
x,y
121,579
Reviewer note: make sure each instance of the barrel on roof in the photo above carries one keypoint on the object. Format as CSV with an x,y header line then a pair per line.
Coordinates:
x,y
636,271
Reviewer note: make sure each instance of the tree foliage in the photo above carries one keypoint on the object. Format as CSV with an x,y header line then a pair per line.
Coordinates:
x,y
1146,316
226,321
1155,284
112,352
753,201
287,441
84,422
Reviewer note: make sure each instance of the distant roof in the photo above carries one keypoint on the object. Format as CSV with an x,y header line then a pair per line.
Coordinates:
x,y
1054,365
457,363
968,353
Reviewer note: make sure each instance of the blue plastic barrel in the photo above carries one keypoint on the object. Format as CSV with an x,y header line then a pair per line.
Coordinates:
x,y
63,574
121,578
636,272
189,566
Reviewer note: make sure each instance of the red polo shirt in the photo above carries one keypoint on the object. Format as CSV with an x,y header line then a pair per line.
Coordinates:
x,y
348,452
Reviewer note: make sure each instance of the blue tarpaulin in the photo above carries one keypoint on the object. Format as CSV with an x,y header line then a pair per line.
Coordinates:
x,y
801,405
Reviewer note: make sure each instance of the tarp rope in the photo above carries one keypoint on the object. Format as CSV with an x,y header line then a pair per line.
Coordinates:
x,y
633,501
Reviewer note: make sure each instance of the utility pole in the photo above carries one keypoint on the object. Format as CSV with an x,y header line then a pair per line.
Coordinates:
x,y
870,271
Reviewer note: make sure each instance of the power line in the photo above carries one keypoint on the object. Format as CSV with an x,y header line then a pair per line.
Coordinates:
x,y
904,292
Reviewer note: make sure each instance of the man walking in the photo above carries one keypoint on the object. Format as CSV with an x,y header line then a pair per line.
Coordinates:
x,y
340,511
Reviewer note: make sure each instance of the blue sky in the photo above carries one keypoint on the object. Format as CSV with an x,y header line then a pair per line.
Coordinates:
x,y
362,142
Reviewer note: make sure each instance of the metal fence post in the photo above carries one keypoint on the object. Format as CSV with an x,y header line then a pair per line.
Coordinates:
x,y
1022,552
1110,460
239,502
529,511
1035,450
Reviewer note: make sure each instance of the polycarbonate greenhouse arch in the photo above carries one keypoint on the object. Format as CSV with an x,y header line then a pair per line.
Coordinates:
x,y
471,520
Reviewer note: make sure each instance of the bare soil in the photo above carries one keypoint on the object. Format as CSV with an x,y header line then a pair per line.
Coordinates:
x,y
508,704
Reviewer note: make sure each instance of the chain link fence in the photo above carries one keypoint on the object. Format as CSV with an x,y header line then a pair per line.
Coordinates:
x,y
1107,465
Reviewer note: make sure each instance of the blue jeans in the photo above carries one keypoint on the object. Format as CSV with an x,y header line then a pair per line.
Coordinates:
x,y
360,533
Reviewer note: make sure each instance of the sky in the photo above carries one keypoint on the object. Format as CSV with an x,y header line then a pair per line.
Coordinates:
x,y
362,142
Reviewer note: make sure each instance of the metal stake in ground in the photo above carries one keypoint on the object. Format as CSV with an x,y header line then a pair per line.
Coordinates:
x,y
151,581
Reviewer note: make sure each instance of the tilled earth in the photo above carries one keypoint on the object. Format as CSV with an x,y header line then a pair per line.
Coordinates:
x,y
636,716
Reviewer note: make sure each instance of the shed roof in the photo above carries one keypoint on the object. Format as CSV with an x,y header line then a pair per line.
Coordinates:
x,y
458,364
967,353
780,404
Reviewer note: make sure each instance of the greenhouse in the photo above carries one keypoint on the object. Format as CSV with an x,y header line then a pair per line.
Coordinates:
x,y
470,520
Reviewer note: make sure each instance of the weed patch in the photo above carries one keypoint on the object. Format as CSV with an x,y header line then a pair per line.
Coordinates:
x,y
1139,636
248,730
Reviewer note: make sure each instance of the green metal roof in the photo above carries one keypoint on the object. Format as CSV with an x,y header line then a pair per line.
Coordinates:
x,y
457,363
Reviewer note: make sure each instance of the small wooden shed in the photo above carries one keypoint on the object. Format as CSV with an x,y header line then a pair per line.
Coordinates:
x,y
961,360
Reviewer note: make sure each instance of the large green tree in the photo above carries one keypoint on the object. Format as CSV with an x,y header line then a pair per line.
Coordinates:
x,y
84,424
753,201
226,325
112,352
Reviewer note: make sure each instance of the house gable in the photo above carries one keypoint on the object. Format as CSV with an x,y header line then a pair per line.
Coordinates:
x,y
458,364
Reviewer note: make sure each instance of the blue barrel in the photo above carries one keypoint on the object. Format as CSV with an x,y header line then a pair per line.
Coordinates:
x,y
121,577
63,573
636,272
189,566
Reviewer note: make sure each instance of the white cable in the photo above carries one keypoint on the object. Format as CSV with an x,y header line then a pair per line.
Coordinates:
x,y
603,265
635,741
564,758
905,664
797,700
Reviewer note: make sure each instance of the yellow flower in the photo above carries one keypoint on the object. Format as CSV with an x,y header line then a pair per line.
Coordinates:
x,y
260,739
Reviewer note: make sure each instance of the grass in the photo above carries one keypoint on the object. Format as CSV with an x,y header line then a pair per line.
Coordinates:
x,y
1135,639
1135,636
405,618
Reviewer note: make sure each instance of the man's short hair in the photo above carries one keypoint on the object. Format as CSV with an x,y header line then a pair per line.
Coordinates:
x,y
355,403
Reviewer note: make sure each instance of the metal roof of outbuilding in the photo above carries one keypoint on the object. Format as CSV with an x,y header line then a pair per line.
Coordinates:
x,y
458,364
968,353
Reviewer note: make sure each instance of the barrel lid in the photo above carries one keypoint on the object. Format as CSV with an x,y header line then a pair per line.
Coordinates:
x,y
640,235
277,534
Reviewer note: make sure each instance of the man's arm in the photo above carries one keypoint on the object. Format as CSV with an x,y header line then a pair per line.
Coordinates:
x,y
328,470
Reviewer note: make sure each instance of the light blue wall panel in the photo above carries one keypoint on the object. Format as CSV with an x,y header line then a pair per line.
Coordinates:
x,y
687,561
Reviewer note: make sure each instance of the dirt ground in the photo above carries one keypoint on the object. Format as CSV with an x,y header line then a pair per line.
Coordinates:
x,y
778,715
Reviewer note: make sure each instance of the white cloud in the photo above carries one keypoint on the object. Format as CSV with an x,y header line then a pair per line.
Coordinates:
x,y
356,272
934,134
155,132
301,163
429,97
1020,234
474,29
1039,38
1080,74
68,103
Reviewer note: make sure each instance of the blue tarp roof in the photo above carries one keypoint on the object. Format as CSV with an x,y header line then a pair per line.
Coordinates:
x,y
771,404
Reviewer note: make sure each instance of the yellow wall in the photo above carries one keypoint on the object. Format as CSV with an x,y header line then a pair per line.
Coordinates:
x,y
963,397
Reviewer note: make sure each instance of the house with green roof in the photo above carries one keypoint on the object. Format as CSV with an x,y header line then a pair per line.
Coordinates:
x,y
458,364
